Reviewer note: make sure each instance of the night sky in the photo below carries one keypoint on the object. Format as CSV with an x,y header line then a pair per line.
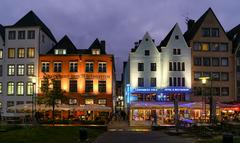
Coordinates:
x,y
119,22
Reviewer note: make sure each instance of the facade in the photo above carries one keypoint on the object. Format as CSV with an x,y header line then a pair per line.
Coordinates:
x,y
86,75
119,106
156,75
2,38
211,57
24,42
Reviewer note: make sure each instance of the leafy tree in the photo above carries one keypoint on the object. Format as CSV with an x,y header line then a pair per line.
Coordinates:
x,y
52,92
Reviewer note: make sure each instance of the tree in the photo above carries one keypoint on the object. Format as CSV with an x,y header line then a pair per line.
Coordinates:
x,y
52,92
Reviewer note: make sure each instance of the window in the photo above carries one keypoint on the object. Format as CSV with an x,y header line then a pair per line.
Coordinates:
x,y
20,88
197,61
206,32
11,53
102,101
102,67
223,47
174,81
21,35
197,91
225,91
214,47
1,54
224,76
215,62
206,61
88,86
12,35
101,86
60,51
30,88
178,66
174,66
30,69
0,87
140,67
170,66
179,81
140,82
95,51
1,70
216,91
196,46
31,34
9,104
89,66
43,38
57,67
21,52
176,51
45,66
224,61
215,76
183,66
176,37
57,84
197,75
215,32
73,86
73,66
89,101
206,74
73,101
153,67
147,52
10,88
170,81
31,52
20,70
153,82
11,70
183,81
205,46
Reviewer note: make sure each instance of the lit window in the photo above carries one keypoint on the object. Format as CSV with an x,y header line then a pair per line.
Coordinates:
x,y
10,88
11,53
89,67
30,69
30,89
1,54
31,53
0,87
73,66
101,86
72,101
102,101
12,35
96,52
45,66
21,34
102,67
1,70
21,52
20,88
57,67
88,86
60,51
89,101
11,70
205,46
31,34
20,70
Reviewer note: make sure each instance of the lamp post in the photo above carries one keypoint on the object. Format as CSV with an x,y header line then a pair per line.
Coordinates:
x,y
33,100
204,82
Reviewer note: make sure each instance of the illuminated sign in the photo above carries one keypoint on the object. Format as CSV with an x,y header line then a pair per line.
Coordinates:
x,y
145,90
174,89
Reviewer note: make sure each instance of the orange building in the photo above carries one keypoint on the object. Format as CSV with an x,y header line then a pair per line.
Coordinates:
x,y
86,75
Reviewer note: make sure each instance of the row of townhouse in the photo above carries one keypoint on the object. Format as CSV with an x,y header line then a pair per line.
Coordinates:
x,y
155,76
28,51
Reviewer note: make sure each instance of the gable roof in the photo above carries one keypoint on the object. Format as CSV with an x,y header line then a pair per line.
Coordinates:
x,y
64,43
190,33
234,36
31,19
167,38
98,45
2,32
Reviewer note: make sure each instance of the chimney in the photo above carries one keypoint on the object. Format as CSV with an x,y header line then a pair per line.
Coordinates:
x,y
103,43
136,44
190,23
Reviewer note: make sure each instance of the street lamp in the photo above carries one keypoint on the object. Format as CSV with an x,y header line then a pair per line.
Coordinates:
x,y
33,99
204,82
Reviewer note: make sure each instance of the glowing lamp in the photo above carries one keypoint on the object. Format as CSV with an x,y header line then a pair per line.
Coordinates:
x,y
204,79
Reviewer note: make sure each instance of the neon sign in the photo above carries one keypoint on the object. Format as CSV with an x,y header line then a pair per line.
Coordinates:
x,y
174,89
145,90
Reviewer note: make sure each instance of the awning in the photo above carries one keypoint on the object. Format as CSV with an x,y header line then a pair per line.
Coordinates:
x,y
92,107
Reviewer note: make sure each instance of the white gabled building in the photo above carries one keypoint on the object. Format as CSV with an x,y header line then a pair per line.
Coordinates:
x,y
24,41
155,76
2,35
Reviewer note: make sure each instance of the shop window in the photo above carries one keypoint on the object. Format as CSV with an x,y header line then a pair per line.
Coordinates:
x,y
102,101
73,101
89,101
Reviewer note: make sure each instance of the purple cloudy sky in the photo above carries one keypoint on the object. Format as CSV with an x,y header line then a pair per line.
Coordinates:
x,y
119,22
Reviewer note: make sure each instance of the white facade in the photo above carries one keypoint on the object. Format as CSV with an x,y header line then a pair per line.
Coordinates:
x,y
41,43
1,71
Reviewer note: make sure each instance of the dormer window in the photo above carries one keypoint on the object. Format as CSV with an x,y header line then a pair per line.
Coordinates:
x,y
96,52
60,51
